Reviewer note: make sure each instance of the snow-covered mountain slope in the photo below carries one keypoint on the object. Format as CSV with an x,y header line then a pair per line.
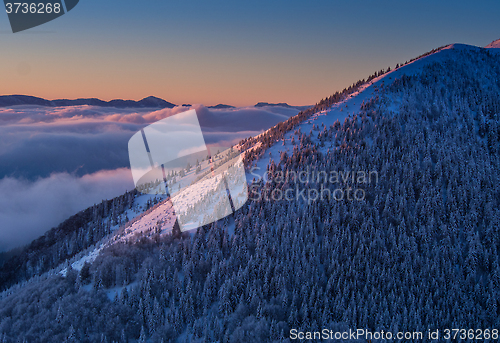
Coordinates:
x,y
150,214
162,215
349,106
160,219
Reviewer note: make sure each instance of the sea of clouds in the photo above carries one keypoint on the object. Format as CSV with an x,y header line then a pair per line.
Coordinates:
x,y
55,162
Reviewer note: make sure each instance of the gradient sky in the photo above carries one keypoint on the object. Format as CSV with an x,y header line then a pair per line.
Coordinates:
x,y
233,52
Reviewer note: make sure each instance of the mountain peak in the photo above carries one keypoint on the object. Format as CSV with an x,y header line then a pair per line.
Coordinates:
x,y
221,106
153,101
494,45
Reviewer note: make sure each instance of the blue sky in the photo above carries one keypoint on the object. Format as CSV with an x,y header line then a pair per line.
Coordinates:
x,y
236,52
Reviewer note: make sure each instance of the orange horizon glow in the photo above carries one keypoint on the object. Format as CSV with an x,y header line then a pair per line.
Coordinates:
x,y
218,83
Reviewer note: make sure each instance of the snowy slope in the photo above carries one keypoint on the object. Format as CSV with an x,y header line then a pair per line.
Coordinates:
x,y
142,219
162,215
351,105
161,218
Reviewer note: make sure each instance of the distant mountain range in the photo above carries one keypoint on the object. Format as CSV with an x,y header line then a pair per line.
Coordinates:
x,y
149,102
280,104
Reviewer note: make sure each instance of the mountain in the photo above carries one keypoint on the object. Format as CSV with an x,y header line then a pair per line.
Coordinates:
x,y
379,209
281,104
493,45
150,102
13,100
221,106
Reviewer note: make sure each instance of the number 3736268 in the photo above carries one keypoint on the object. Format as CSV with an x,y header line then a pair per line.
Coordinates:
x,y
33,7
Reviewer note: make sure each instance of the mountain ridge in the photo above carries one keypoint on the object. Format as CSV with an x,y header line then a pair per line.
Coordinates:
x,y
148,102
280,104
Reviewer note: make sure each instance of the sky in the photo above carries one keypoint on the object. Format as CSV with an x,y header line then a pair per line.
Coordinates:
x,y
232,52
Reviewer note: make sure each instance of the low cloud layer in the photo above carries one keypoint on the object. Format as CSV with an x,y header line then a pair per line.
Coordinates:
x,y
38,141
28,209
